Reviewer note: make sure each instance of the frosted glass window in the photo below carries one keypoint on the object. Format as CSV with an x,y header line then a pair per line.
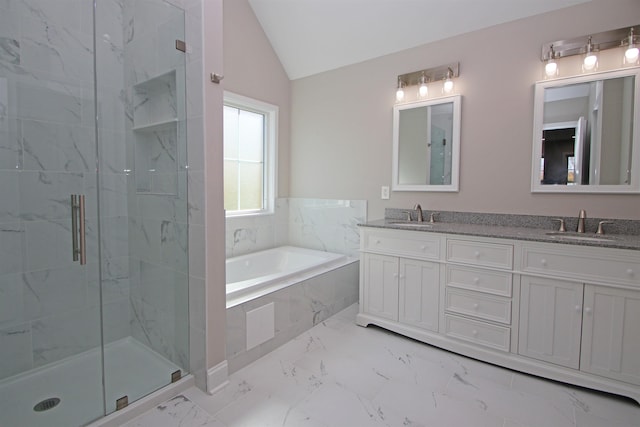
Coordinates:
x,y
249,155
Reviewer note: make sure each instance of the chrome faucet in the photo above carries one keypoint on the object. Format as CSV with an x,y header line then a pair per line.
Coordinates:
x,y
582,216
418,210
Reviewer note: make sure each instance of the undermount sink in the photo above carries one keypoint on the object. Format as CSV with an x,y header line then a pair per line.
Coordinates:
x,y
564,236
412,224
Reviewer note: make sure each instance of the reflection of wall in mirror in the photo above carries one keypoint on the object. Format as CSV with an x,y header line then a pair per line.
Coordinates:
x,y
617,126
413,150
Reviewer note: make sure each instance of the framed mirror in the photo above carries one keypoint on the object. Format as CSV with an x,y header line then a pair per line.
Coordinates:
x,y
585,134
426,145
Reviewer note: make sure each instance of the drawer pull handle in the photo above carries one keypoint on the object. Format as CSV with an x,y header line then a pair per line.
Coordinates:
x,y
377,242
587,310
476,305
476,280
423,247
630,272
543,261
474,332
578,308
476,254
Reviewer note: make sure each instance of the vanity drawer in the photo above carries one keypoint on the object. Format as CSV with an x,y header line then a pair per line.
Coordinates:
x,y
480,253
402,243
493,336
583,263
493,282
478,305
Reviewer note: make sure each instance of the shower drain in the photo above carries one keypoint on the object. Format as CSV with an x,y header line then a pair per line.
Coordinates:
x,y
46,404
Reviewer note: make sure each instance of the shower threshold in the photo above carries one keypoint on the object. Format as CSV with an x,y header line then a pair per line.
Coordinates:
x,y
131,369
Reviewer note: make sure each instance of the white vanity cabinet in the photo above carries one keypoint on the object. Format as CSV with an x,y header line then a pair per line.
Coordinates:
x,y
591,323
611,333
402,284
562,311
380,272
478,289
551,320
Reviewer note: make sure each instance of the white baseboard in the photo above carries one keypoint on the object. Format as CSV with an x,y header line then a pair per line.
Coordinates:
x,y
217,377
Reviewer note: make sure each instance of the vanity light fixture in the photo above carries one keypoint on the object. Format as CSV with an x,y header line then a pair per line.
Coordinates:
x,y
400,91
589,47
590,62
422,79
447,87
551,67
631,54
423,90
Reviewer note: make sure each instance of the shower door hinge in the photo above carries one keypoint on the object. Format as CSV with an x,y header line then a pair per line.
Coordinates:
x,y
122,403
181,46
175,376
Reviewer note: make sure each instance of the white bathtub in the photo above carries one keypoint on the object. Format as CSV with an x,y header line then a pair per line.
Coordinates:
x,y
253,275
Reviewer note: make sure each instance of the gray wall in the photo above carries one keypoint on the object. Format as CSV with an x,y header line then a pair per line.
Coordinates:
x,y
341,121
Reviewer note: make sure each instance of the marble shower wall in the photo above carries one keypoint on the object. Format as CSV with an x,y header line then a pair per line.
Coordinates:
x,y
322,224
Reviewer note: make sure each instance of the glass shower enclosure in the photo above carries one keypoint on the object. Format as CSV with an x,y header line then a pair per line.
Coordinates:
x,y
93,212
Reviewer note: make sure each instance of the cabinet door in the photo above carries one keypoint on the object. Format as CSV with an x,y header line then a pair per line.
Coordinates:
x,y
550,320
381,286
611,333
419,293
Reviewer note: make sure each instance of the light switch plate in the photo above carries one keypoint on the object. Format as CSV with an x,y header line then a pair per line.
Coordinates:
x,y
384,192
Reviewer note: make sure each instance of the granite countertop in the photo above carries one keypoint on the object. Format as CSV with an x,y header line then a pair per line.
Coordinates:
x,y
620,241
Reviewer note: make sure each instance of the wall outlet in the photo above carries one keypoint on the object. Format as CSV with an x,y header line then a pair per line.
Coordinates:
x,y
384,192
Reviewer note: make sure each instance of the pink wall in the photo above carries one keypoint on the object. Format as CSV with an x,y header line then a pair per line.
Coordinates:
x,y
252,69
341,137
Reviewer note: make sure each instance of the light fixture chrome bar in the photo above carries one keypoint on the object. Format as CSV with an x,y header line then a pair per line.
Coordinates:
x,y
432,74
578,45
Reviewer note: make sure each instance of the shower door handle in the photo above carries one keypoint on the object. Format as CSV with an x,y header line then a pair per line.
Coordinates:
x,y
78,235
74,227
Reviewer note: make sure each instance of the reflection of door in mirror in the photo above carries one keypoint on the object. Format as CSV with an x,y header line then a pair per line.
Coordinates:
x,y
603,142
565,156
558,156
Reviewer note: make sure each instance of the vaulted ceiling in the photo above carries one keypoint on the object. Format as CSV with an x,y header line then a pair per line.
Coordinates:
x,y
313,36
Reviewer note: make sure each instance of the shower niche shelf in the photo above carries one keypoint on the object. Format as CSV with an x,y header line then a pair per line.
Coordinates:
x,y
157,132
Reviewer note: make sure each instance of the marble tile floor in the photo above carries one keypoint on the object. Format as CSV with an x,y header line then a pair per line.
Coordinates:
x,y
340,374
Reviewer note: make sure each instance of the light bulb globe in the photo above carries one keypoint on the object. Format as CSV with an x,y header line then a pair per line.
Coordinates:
x,y
590,62
399,94
551,69
631,55
448,86
423,91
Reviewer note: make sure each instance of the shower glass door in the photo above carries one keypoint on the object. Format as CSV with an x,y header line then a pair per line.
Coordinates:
x,y
109,128
50,333
140,73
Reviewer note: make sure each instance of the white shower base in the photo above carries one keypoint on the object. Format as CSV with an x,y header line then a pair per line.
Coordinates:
x,y
131,369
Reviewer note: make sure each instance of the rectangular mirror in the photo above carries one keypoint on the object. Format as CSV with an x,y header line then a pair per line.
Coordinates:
x,y
426,145
584,134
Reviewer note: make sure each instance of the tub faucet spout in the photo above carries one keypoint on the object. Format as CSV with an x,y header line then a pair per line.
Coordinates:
x,y
418,210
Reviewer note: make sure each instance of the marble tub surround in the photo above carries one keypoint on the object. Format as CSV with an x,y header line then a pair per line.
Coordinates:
x,y
339,374
298,307
622,234
324,224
